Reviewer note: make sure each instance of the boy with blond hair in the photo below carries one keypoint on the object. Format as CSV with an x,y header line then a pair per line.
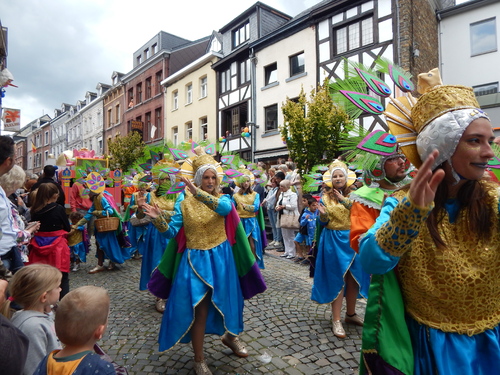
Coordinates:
x,y
80,321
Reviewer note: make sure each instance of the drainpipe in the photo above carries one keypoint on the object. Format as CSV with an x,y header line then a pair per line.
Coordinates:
x,y
253,72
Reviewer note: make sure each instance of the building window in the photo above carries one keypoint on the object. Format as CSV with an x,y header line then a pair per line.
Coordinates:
x,y
146,54
154,47
110,118
147,128
158,83
490,88
158,122
483,37
225,81
175,99
271,115
241,34
175,135
139,59
189,93
297,64
139,93
203,128
46,156
189,130
203,87
148,88
130,98
117,114
271,73
233,120
46,138
244,71
355,35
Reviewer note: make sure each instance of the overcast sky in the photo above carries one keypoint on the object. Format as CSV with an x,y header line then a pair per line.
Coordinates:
x,y
60,49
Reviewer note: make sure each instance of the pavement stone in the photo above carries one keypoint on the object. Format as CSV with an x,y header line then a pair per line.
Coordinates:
x,y
282,323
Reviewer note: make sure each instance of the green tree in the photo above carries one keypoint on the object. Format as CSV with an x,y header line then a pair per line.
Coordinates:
x,y
312,128
126,150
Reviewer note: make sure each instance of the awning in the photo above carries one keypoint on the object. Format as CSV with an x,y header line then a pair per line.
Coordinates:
x,y
272,153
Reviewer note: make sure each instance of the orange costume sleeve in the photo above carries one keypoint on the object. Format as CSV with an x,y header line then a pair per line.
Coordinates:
x,y
362,218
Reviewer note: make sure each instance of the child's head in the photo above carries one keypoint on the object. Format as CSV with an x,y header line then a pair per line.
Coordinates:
x,y
34,286
305,199
82,315
75,217
313,204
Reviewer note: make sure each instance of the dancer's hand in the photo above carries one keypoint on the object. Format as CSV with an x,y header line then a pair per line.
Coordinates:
x,y
152,211
189,185
424,185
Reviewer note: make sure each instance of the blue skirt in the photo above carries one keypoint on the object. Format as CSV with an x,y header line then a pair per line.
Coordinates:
x,y
79,252
438,352
136,235
112,250
151,247
252,229
336,257
201,273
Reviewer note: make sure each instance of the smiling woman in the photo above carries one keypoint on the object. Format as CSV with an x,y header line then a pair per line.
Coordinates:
x,y
443,235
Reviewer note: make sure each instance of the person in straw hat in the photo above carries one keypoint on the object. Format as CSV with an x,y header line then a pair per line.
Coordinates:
x,y
207,269
338,272
247,204
440,312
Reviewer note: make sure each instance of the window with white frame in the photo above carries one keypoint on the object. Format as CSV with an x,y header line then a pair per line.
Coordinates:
x,y
46,138
297,64
175,135
189,93
225,81
189,130
46,156
175,99
483,37
117,114
203,128
244,71
154,47
203,87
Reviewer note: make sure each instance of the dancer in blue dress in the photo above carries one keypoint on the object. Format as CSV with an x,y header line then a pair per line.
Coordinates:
x,y
206,292
338,272
247,204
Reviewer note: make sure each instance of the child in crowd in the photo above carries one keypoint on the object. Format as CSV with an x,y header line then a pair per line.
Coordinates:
x,y
76,241
304,239
36,288
81,320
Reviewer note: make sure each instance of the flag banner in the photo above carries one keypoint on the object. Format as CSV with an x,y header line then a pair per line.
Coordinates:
x,y
11,119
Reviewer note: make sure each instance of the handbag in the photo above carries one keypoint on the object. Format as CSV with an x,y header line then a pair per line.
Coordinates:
x,y
289,221
136,222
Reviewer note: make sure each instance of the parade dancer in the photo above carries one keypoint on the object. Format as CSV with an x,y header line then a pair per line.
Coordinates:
x,y
208,268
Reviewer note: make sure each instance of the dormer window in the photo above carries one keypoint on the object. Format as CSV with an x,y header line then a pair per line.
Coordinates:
x,y
241,34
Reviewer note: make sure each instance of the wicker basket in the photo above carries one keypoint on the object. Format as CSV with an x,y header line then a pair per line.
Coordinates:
x,y
107,224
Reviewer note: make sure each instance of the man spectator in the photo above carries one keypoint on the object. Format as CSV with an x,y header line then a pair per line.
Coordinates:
x,y
49,172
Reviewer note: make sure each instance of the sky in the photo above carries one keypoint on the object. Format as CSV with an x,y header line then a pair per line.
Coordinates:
x,y
60,49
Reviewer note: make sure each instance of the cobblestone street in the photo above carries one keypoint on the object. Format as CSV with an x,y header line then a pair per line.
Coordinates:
x,y
285,332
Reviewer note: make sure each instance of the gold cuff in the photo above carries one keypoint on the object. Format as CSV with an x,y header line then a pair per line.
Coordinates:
x,y
207,199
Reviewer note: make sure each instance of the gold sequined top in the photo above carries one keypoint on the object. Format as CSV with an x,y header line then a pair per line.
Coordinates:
x,y
204,227
244,206
162,202
337,215
75,236
455,289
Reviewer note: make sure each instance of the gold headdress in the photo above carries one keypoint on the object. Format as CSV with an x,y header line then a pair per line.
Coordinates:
x,y
338,165
196,163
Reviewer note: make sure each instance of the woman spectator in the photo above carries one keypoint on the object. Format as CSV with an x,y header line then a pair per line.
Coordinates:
x,y
287,205
50,245
18,255
205,293
338,272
